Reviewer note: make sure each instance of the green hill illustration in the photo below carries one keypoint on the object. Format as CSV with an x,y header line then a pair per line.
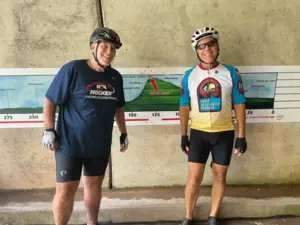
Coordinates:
x,y
260,103
157,95
21,110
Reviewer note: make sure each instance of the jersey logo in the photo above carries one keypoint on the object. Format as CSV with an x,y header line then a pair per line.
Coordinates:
x,y
181,90
209,94
100,90
240,87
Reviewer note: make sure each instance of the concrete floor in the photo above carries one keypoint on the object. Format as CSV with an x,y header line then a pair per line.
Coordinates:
x,y
273,221
253,192
130,206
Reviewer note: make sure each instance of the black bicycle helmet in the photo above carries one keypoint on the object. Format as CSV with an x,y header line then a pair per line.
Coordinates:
x,y
105,34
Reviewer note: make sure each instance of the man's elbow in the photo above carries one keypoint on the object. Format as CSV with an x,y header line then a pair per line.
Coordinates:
x,y
49,105
241,106
119,111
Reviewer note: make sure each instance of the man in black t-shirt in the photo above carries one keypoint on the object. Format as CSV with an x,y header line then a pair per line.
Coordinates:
x,y
89,94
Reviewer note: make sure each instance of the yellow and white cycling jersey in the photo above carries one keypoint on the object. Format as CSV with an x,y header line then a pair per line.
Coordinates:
x,y
211,95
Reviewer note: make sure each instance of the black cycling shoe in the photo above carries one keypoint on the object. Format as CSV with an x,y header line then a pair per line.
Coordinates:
x,y
212,221
186,221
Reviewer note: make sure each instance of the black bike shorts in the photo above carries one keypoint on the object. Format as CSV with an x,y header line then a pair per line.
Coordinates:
x,y
220,144
69,168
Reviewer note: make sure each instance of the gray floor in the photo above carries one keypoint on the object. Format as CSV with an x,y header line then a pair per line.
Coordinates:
x,y
273,221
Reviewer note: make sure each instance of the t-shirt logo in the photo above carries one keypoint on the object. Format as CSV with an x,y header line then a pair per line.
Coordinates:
x,y
209,94
100,90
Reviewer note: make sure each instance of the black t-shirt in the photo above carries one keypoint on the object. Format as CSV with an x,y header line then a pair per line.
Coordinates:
x,y
87,102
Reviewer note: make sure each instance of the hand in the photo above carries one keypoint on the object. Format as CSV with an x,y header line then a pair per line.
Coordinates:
x,y
50,139
124,142
240,146
185,144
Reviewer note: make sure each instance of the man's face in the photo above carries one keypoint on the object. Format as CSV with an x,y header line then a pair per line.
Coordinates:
x,y
105,53
207,49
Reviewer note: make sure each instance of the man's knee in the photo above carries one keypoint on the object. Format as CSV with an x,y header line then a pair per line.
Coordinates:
x,y
196,171
92,191
66,191
220,174
93,182
195,180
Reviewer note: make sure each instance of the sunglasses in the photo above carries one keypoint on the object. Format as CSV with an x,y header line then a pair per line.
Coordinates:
x,y
209,44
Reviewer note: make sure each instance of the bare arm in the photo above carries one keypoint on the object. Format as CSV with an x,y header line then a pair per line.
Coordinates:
x,y
184,112
49,114
240,114
120,119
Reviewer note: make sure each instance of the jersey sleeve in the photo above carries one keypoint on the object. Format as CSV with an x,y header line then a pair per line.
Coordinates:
x,y
121,99
184,93
238,95
58,91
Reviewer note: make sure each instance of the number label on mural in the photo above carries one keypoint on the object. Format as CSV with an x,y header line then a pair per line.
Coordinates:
x,y
132,114
33,117
156,114
8,117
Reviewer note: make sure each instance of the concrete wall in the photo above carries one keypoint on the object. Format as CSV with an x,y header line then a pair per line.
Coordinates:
x,y
155,33
41,33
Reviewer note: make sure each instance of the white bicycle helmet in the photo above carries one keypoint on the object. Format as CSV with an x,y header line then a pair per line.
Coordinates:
x,y
203,33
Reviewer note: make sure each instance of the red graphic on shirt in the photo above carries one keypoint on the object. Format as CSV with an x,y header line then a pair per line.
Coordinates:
x,y
100,89
240,87
181,90
99,86
209,94
209,87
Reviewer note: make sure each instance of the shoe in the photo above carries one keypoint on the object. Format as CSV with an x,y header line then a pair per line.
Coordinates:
x,y
186,221
212,221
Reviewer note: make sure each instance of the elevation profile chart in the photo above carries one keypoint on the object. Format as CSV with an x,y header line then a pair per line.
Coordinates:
x,y
152,95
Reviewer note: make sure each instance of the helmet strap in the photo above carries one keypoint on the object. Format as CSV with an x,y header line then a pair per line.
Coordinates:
x,y
96,58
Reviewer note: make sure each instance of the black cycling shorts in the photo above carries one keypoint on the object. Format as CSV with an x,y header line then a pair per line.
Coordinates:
x,y
219,143
69,168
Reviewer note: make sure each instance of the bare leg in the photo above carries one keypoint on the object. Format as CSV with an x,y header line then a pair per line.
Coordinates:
x,y
63,201
196,171
219,185
92,197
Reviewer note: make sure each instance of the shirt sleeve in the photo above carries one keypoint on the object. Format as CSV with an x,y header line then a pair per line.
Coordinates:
x,y
58,91
121,99
184,93
237,87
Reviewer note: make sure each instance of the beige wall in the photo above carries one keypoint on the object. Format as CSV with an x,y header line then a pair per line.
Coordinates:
x,y
41,33
155,33
155,158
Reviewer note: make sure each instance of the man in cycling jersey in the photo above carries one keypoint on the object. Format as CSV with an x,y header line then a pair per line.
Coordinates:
x,y
210,91
89,94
